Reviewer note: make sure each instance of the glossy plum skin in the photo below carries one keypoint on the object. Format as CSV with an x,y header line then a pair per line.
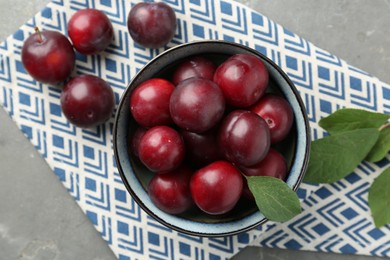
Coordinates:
x,y
244,138
87,101
151,25
90,31
161,149
149,102
170,191
48,57
243,79
201,149
273,165
194,67
278,114
217,187
197,105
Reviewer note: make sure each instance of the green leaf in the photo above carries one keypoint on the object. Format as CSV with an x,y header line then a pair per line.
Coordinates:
x,y
274,198
382,146
349,119
334,157
379,199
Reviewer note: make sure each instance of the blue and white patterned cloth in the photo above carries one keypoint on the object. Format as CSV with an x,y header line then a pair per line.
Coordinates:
x,y
335,217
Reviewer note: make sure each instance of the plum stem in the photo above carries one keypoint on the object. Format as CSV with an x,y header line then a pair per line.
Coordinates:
x,y
39,34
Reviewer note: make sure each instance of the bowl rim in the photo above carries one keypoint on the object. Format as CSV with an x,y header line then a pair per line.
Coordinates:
x,y
187,45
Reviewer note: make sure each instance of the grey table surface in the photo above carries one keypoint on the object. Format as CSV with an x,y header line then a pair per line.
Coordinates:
x,y
38,218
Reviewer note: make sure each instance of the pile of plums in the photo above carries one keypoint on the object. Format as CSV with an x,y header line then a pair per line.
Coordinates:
x,y
205,127
200,131
49,57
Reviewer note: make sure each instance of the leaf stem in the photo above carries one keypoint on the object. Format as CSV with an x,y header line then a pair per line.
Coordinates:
x,y
384,126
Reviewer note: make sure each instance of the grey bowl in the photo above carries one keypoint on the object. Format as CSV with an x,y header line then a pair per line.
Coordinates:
x,y
245,216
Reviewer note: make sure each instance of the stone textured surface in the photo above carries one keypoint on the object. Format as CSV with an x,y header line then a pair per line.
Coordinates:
x,y
39,220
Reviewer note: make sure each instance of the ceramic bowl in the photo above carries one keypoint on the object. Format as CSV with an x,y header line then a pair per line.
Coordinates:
x,y
135,176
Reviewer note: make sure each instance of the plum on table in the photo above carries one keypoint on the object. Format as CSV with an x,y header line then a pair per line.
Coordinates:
x,y
87,101
48,56
90,31
151,25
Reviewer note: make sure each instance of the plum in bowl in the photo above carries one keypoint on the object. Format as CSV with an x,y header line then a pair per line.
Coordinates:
x,y
295,147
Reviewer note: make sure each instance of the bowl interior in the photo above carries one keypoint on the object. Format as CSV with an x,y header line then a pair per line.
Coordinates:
x,y
136,176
